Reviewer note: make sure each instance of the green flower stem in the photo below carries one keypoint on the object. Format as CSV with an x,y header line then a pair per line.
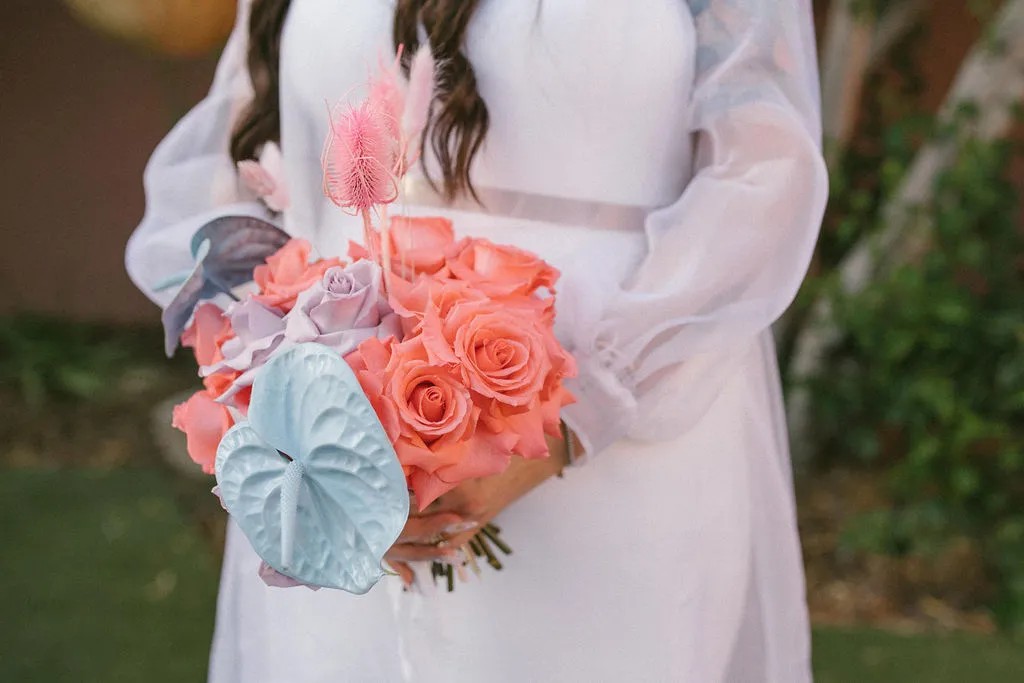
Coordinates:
x,y
493,536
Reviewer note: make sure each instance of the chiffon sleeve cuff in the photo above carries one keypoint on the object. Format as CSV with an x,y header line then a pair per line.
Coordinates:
x,y
605,409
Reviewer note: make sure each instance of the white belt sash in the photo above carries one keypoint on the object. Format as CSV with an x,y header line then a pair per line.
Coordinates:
x,y
530,206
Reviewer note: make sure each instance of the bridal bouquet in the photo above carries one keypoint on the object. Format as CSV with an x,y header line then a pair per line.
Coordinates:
x,y
335,388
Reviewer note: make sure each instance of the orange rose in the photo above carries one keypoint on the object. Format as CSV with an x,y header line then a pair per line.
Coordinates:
x,y
368,362
554,396
429,417
499,270
509,356
288,272
500,352
433,471
411,301
204,422
419,244
542,415
220,382
209,330
432,404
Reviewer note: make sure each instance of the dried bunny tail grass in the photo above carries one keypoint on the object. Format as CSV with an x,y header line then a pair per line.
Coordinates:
x,y
458,120
461,112
255,177
388,96
420,96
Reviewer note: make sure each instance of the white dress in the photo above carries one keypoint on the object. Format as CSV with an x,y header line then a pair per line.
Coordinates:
x,y
664,155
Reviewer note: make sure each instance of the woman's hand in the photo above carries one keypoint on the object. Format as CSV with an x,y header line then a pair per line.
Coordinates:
x,y
480,500
459,514
417,541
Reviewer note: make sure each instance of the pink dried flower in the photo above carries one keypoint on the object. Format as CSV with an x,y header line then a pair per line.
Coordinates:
x,y
360,158
266,177
416,111
387,96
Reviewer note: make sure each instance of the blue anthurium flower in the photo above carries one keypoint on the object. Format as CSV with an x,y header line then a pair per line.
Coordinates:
x,y
226,251
312,479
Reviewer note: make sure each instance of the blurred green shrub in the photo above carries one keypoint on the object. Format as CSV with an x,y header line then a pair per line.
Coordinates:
x,y
45,360
928,381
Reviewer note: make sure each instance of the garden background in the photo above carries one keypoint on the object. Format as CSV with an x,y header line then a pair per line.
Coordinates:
x,y
902,355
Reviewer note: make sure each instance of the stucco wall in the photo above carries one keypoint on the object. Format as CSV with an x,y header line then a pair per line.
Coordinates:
x,y
79,115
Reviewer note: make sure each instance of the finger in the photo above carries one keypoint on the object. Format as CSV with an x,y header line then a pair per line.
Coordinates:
x,y
462,538
424,529
421,529
411,552
405,572
445,503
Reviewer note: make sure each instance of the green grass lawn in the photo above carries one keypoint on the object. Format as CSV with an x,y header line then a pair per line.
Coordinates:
x,y
102,579
864,655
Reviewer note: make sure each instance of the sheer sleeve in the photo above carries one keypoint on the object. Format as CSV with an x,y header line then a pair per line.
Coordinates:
x,y
727,258
191,179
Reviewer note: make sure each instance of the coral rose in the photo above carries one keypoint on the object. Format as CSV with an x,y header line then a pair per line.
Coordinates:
x,y
432,404
500,270
542,415
419,245
204,422
500,352
411,301
368,362
209,330
429,416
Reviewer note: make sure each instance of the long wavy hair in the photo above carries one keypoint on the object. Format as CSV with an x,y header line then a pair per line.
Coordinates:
x,y
459,120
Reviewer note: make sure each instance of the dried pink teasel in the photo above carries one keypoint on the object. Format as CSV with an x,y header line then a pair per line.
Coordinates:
x,y
370,145
360,158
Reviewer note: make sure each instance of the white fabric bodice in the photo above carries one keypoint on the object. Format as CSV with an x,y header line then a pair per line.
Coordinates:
x,y
555,129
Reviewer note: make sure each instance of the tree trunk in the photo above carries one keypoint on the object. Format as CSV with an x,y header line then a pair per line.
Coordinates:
x,y
851,47
992,80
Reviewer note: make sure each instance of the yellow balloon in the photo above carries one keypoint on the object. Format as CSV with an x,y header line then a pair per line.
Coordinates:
x,y
175,27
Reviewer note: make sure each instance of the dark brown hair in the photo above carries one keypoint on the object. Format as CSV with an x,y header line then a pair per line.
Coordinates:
x,y
459,121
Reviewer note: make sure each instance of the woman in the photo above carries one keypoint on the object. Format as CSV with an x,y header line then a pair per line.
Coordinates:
x,y
664,155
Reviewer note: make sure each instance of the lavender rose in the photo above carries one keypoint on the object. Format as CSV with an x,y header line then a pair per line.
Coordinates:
x,y
343,309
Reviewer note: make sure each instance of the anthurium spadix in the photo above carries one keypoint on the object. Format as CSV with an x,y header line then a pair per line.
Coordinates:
x,y
311,478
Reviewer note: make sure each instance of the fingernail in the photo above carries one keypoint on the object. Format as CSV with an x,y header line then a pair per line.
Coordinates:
x,y
459,527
